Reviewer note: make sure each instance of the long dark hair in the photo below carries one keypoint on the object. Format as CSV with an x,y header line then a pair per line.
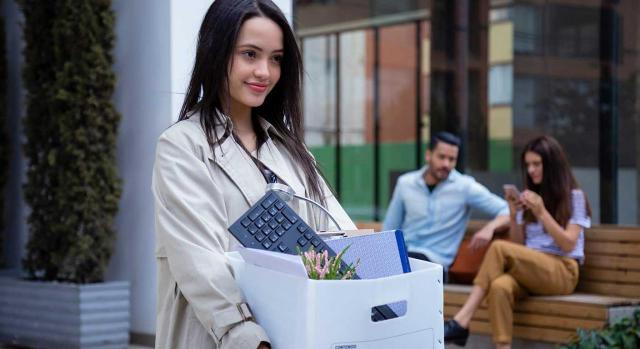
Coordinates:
x,y
557,179
208,89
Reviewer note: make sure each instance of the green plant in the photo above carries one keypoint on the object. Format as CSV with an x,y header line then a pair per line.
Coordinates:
x,y
322,267
622,334
4,140
71,124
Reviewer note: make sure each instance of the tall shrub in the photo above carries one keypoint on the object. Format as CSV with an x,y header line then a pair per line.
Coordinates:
x,y
71,124
4,139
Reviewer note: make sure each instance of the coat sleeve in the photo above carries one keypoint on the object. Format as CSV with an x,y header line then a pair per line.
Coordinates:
x,y
191,226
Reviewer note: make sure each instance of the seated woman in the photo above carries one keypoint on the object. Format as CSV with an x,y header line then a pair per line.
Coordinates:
x,y
547,244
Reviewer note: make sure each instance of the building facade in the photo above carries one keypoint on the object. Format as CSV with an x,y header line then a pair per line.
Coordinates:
x,y
382,76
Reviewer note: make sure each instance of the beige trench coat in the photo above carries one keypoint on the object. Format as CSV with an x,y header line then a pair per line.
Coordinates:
x,y
197,196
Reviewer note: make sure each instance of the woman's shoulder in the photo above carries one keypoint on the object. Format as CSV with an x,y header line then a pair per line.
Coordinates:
x,y
182,129
189,131
577,194
187,135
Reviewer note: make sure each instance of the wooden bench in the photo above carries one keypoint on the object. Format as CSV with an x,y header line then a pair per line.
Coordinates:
x,y
609,288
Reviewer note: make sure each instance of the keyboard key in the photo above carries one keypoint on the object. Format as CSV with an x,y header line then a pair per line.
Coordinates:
x,y
280,218
252,229
315,242
266,244
273,224
286,225
268,202
255,214
291,216
266,230
273,211
279,204
308,235
302,228
266,217
280,231
302,241
260,237
273,237
282,248
246,222
259,223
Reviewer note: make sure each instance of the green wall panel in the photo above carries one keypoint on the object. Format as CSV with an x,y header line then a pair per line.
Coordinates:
x,y
326,158
357,172
394,157
500,156
356,181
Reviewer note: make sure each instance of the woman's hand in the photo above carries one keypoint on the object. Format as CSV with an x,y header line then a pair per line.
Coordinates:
x,y
515,203
533,201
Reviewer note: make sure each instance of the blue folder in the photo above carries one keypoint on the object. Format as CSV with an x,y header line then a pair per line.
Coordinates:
x,y
381,254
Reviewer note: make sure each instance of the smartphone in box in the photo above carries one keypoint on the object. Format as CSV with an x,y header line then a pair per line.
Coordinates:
x,y
511,191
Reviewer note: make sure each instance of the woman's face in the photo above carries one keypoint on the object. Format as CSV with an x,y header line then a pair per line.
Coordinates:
x,y
533,162
255,66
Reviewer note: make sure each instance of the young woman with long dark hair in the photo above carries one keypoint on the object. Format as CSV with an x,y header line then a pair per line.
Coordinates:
x,y
240,126
547,244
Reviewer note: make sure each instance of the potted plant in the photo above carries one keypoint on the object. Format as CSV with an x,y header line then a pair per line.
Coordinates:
x,y
623,333
72,184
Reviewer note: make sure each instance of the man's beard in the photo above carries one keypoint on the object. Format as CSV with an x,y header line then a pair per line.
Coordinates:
x,y
440,174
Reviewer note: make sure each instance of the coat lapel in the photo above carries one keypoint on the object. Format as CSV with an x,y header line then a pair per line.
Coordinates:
x,y
240,169
276,159
237,164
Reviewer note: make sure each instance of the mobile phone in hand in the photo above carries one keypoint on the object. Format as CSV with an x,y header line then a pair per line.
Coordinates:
x,y
511,191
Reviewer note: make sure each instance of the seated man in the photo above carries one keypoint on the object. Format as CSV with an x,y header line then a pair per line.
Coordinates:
x,y
432,205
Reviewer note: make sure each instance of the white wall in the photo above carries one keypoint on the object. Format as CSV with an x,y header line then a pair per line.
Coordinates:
x,y
143,98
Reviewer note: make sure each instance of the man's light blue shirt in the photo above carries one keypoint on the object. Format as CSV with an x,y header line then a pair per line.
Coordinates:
x,y
434,222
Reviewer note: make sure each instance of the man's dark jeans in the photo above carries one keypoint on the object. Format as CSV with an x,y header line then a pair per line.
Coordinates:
x,y
418,255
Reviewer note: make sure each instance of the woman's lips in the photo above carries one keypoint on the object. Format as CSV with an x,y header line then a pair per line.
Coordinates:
x,y
259,88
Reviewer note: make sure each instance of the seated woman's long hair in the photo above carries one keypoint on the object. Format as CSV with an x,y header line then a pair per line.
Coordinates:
x,y
557,179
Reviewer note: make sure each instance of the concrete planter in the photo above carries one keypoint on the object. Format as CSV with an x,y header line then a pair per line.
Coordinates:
x,y
60,315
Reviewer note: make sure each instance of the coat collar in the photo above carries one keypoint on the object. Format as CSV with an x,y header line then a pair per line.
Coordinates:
x,y
242,170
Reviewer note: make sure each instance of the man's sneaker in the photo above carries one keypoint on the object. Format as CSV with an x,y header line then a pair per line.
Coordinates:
x,y
454,333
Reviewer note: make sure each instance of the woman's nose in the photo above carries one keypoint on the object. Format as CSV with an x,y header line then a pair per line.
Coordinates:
x,y
262,69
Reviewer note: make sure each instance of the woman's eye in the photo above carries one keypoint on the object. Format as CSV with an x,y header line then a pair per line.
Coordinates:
x,y
277,59
249,54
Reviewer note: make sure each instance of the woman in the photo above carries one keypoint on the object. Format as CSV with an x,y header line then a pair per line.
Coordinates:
x,y
549,219
241,111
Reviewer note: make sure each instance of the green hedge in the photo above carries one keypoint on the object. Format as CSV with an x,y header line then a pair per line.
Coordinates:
x,y
72,183
4,139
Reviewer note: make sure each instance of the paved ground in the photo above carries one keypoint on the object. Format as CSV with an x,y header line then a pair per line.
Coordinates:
x,y
484,342
2,346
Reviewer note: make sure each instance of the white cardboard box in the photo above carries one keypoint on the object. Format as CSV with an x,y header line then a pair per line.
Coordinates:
x,y
325,314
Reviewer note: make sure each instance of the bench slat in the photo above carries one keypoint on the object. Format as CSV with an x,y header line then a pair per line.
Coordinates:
x,y
535,320
609,233
574,298
544,307
529,333
607,275
611,248
612,262
623,290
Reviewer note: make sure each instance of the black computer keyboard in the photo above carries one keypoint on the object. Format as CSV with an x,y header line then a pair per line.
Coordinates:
x,y
272,225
